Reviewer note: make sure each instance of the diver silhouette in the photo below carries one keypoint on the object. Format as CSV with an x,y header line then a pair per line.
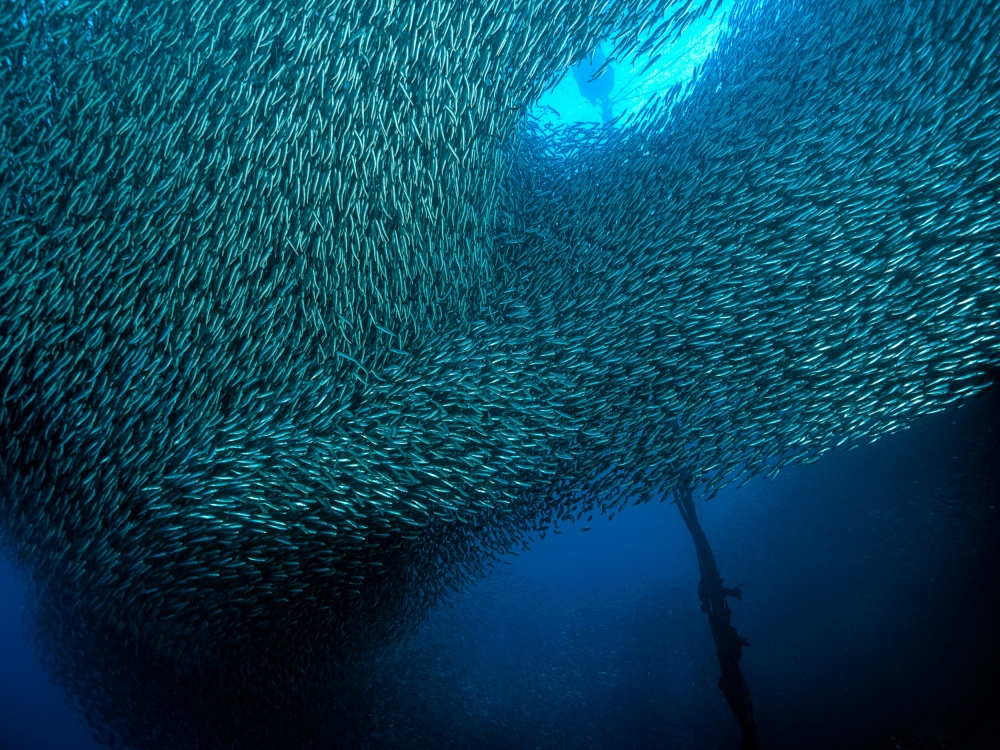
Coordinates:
x,y
596,90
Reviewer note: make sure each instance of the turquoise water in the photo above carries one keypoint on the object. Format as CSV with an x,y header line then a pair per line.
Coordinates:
x,y
638,79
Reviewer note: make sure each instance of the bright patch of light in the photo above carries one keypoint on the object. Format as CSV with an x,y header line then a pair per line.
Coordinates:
x,y
636,81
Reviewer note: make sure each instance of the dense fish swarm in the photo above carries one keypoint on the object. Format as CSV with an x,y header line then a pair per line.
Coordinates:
x,y
302,320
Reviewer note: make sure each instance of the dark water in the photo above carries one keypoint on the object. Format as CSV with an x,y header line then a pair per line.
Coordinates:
x,y
33,712
872,605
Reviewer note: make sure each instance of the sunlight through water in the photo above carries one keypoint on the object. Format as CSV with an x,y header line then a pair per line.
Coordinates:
x,y
625,87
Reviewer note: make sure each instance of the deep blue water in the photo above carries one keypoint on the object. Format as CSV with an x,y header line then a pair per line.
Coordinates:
x,y
33,712
872,603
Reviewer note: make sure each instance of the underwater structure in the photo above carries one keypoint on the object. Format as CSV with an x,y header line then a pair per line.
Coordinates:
x,y
303,321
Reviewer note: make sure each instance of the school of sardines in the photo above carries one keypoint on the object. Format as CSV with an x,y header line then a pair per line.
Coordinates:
x,y
305,321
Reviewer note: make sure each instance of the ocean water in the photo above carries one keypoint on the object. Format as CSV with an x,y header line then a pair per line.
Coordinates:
x,y
871,583
34,713
872,604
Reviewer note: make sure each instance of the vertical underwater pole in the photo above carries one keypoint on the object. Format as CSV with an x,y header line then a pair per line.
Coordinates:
x,y
728,642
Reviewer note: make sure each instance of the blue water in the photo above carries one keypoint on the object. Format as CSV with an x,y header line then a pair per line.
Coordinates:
x,y
34,714
872,603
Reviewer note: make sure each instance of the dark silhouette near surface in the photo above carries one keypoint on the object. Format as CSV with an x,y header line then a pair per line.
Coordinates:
x,y
728,642
596,78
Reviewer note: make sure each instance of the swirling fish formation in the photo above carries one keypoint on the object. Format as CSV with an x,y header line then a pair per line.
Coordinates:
x,y
303,321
